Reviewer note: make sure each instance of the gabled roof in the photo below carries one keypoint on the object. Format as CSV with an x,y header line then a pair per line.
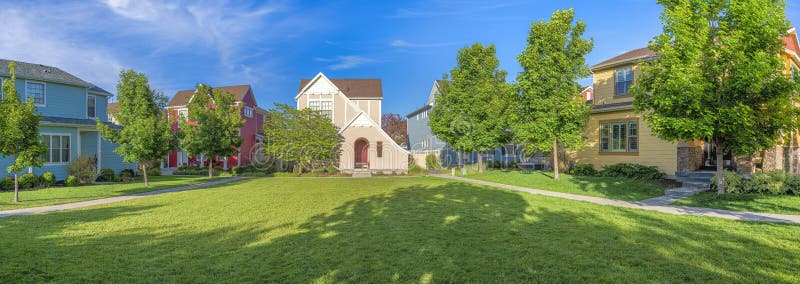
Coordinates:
x,y
790,41
42,72
353,88
99,91
627,57
181,98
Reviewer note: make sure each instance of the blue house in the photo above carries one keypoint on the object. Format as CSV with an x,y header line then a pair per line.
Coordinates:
x,y
421,141
69,107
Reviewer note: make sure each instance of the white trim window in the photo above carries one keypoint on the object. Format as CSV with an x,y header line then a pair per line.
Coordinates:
x,y
623,79
91,106
35,91
58,148
324,107
248,111
619,136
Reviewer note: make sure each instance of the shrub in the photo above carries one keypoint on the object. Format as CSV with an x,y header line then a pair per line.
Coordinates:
x,y
126,174
773,182
633,171
83,167
72,181
793,185
153,172
512,165
7,183
319,170
48,179
584,170
236,170
107,175
28,181
332,170
432,162
734,183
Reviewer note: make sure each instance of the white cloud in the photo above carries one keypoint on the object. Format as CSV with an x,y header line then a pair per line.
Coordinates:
x,y
25,39
346,62
403,43
449,8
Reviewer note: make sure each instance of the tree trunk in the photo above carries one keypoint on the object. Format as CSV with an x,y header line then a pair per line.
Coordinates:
x,y
480,162
555,158
144,170
720,173
210,168
16,187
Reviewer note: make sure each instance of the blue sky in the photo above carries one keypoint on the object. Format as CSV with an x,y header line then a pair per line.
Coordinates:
x,y
271,45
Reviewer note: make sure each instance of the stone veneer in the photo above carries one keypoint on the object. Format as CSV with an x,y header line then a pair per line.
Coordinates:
x,y
690,158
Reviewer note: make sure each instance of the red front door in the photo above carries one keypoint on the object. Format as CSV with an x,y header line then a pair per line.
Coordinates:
x,y
362,154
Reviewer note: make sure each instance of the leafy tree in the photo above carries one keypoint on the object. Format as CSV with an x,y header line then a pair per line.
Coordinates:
x,y
212,128
147,135
302,136
396,126
551,113
470,111
19,131
719,77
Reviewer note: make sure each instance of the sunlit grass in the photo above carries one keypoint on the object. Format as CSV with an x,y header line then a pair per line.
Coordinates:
x,y
299,230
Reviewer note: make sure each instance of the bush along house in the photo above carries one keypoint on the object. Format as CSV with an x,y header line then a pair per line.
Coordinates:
x,y
252,132
354,107
69,107
617,134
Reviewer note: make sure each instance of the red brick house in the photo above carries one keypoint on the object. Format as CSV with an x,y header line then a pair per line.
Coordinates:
x,y
252,132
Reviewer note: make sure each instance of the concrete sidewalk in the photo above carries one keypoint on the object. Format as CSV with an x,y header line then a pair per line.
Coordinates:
x,y
82,204
658,204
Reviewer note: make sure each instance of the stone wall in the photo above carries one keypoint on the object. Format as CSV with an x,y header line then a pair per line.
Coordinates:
x,y
690,158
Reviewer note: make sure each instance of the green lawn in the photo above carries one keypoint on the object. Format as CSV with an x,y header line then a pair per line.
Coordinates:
x,y
60,195
614,188
382,230
781,204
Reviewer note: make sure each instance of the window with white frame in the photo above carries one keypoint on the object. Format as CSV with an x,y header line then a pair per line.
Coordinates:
x,y
91,106
35,91
623,79
324,107
183,114
248,111
619,136
58,147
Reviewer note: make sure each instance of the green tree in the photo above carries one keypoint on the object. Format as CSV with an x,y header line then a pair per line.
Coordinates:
x,y
719,77
550,111
19,131
212,128
471,110
147,136
302,136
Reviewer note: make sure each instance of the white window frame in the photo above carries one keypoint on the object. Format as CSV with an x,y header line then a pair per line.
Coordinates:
x,y
44,92
248,111
320,103
87,106
69,135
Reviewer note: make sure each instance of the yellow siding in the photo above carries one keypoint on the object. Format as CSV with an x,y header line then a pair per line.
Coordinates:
x,y
652,150
604,86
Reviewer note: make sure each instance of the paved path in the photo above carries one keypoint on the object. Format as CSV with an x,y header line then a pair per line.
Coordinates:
x,y
75,205
659,204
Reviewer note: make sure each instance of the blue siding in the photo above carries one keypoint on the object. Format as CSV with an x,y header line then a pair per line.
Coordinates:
x,y
102,108
112,160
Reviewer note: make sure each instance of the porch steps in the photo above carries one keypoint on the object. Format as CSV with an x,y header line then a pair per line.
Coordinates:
x,y
701,179
361,173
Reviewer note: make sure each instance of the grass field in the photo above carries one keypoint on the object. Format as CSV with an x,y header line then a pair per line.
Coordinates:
x,y
608,187
781,204
60,195
385,230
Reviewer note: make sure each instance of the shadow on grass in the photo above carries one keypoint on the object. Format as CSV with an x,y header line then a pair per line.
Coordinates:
x,y
447,233
781,204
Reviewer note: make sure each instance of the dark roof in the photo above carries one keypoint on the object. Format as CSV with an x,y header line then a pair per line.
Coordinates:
x,y
97,90
612,106
42,72
354,88
630,56
75,121
181,98
424,108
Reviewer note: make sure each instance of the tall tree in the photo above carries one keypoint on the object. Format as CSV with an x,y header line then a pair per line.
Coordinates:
x,y
302,136
19,131
470,111
212,128
719,77
551,113
396,126
147,136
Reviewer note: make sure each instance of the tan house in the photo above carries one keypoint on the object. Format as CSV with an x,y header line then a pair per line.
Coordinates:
x,y
617,134
354,106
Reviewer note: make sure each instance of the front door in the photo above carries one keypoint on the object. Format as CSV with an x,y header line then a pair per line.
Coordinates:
x,y
362,154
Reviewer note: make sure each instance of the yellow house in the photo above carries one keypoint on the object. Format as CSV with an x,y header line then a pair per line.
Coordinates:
x,y
617,134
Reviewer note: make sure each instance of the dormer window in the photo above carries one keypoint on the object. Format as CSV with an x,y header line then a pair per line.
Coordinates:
x,y
623,79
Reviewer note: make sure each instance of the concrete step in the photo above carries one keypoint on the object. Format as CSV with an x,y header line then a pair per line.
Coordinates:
x,y
691,184
694,179
362,174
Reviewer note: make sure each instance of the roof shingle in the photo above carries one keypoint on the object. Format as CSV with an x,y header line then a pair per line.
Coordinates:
x,y
181,98
630,56
42,72
354,88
